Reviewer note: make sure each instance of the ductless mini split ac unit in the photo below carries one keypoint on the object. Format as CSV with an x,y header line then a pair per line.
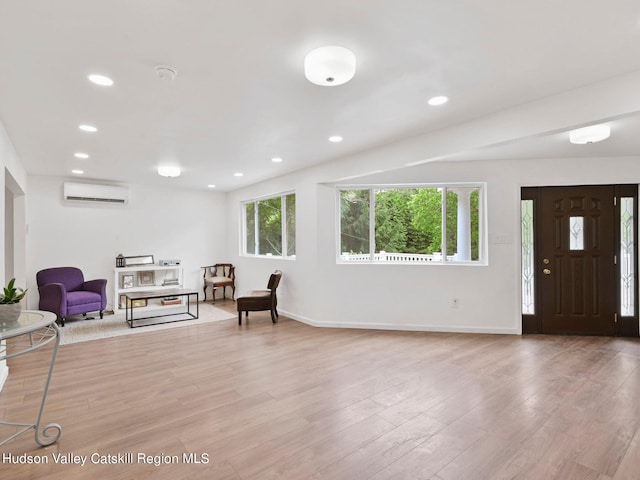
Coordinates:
x,y
89,192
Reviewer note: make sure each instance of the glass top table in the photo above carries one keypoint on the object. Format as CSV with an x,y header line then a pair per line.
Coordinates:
x,y
32,331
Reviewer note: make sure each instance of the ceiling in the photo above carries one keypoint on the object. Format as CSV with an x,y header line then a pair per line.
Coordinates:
x,y
241,98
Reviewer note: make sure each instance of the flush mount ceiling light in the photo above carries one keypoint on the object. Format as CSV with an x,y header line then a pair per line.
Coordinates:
x,y
335,138
88,128
101,80
592,134
166,73
169,171
276,160
211,185
237,174
439,100
77,172
81,155
329,66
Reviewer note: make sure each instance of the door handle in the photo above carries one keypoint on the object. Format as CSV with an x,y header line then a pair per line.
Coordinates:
x,y
546,271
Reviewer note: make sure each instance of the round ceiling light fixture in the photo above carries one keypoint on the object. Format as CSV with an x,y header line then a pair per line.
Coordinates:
x,y
101,80
82,155
330,66
169,171
591,134
439,100
166,73
335,138
88,128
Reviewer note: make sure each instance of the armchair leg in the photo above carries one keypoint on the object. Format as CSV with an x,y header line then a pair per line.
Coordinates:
x,y
205,292
101,314
274,314
239,318
60,321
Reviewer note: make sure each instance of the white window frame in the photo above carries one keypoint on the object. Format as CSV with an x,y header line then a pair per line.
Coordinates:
x,y
243,226
482,223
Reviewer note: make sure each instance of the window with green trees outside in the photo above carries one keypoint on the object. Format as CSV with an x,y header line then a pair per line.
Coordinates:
x,y
420,224
270,226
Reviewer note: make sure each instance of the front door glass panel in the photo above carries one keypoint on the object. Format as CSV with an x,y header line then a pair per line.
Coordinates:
x,y
576,233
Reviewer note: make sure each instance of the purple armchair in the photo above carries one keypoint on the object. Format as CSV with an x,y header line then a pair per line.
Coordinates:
x,y
64,292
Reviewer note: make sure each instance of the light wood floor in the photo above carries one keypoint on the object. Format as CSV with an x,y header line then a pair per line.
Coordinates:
x,y
291,401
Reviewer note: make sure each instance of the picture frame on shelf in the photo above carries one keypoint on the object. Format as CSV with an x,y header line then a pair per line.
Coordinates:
x,y
139,260
146,278
127,281
132,303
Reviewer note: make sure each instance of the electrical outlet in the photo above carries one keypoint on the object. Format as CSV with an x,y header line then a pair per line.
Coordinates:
x,y
455,302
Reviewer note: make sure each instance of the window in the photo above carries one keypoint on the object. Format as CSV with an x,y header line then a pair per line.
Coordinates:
x,y
270,226
410,224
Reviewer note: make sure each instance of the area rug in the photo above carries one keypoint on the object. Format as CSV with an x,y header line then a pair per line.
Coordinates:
x,y
82,330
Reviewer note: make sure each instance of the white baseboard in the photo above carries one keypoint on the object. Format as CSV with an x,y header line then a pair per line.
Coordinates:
x,y
403,327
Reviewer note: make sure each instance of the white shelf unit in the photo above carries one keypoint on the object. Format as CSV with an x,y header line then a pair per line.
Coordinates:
x,y
159,274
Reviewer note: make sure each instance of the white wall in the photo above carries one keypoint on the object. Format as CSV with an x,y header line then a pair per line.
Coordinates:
x,y
13,178
414,297
164,222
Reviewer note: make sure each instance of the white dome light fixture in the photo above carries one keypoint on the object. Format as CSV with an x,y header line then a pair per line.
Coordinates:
x,y
591,134
335,138
437,101
169,171
329,66
101,80
88,128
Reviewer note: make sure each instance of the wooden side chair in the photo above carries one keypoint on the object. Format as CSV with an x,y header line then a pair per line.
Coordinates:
x,y
259,300
219,275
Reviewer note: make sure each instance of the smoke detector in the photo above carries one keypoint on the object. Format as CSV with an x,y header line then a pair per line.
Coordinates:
x,y
166,73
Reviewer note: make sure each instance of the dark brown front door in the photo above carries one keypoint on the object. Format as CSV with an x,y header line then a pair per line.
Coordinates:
x,y
575,260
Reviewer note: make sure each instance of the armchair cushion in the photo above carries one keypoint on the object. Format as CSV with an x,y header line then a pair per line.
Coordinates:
x,y
218,280
82,298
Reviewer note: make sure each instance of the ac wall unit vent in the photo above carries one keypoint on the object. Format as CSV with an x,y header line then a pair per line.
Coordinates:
x,y
88,192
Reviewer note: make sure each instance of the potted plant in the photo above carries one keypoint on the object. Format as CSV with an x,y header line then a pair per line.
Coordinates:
x,y
10,302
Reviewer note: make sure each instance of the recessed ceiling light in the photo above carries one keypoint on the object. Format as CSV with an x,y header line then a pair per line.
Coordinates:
x,y
77,172
439,100
335,138
237,174
88,128
329,66
101,80
211,186
169,171
81,155
276,160
592,134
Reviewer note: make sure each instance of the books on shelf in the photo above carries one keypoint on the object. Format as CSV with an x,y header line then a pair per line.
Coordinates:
x,y
171,301
170,281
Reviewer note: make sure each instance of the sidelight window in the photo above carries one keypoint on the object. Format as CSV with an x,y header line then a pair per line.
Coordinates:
x,y
627,257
